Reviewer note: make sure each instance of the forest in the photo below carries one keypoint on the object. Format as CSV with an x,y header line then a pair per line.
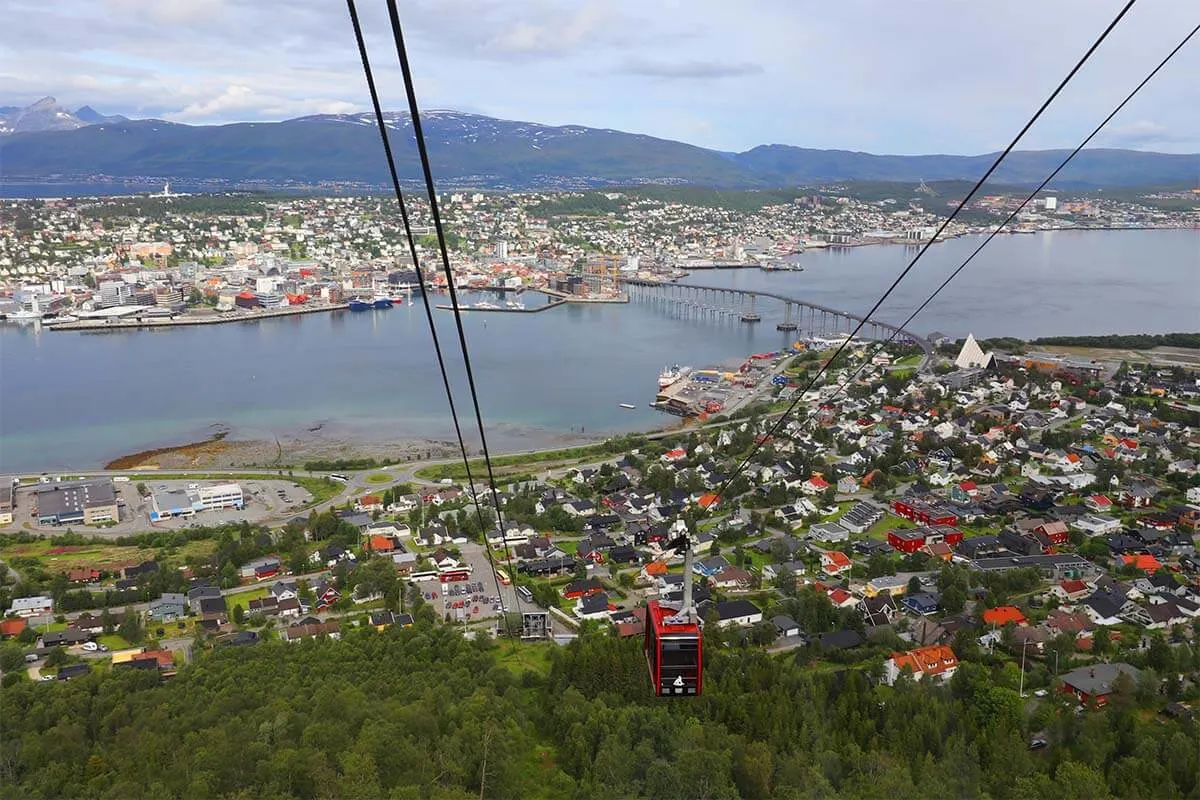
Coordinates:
x,y
1137,341
424,713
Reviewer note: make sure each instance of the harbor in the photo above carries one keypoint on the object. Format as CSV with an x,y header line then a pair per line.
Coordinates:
x,y
687,392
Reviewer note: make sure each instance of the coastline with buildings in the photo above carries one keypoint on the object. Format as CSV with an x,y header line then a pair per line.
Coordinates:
x,y
273,261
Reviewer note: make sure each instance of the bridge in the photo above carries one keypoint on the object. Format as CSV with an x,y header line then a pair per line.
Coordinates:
x,y
718,302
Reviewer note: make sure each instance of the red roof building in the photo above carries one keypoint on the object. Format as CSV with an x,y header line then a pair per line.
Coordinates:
x,y
835,563
12,627
1003,615
381,544
814,485
1142,561
936,661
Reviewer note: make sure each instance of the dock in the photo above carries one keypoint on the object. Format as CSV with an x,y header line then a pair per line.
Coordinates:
x,y
505,310
623,297
216,318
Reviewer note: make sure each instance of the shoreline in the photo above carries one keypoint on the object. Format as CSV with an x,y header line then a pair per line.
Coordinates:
x,y
220,451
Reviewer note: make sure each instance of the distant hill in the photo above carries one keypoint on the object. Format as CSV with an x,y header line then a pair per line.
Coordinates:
x,y
479,151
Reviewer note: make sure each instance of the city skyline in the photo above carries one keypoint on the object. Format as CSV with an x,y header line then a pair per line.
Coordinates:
x,y
710,78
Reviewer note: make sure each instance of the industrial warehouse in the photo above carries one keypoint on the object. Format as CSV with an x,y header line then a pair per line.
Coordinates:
x,y
167,503
88,502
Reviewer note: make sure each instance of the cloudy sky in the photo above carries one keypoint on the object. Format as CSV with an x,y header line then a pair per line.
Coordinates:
x,y
894,76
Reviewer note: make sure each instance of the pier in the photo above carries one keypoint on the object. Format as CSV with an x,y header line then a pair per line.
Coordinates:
x,y
216,318
505,310
721,303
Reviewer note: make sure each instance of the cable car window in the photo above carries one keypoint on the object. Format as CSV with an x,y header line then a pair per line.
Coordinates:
x,y
678,654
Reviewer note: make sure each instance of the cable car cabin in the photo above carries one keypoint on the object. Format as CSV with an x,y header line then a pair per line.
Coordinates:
x,y
672,653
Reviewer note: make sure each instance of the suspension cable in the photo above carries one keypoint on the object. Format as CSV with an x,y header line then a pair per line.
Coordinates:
x,y
783,418
431,191
437,348
1029,199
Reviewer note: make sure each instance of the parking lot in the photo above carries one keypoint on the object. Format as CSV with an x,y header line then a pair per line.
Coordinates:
x,y
265,499
475,599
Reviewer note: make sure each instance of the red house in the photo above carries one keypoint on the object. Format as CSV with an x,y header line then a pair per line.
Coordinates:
x,y
264,571
924,513
913,539
83,575
1095,683
1056,531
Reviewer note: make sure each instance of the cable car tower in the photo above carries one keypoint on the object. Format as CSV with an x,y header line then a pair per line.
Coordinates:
x,y
673,639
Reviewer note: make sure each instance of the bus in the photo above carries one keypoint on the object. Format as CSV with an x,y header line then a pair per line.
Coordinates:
x,y
502,576
455,575
524,593
420,577
338,477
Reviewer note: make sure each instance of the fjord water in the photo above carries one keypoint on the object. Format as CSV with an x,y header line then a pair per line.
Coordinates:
x,y
75,400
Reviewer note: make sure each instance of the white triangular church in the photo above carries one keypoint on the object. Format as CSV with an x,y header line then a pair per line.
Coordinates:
x,y
972,356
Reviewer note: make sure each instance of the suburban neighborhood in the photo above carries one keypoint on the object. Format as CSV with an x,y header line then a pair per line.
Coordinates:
x,y
1025,508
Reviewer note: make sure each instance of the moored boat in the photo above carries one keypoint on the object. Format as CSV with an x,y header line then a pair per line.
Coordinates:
x,y
356,304
671,375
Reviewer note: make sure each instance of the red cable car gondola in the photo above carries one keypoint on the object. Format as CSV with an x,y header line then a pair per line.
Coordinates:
x,y
673,652
673,642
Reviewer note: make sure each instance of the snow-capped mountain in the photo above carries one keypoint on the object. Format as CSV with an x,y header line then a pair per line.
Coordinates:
x,y
47,115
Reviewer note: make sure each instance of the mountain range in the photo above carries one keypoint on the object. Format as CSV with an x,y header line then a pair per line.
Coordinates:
x,y
47,142
47,115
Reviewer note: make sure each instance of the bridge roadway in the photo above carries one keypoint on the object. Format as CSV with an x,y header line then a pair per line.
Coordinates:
x,y
690,288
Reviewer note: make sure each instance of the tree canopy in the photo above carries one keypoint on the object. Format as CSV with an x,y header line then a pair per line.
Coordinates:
x,y
424,713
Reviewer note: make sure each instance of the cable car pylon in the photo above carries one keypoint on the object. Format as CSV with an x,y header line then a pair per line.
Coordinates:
x,y
673,642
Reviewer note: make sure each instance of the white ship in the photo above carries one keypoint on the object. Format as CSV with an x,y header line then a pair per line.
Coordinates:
x,y
27,311
672,375
516,305
484,305
23,316
59,319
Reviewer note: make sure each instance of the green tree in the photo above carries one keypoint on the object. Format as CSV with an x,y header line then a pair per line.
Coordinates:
x,y
131,629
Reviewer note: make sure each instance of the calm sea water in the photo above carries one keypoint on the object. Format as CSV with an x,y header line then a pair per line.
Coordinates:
x,y
79,399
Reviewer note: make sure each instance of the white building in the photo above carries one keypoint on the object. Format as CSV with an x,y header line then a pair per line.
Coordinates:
x,y
221,495
972,356
114,293
31,606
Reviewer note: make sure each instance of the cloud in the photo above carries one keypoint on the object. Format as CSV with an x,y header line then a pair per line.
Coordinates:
x,y
689,70
239,101
524,31
857,74
1141,134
